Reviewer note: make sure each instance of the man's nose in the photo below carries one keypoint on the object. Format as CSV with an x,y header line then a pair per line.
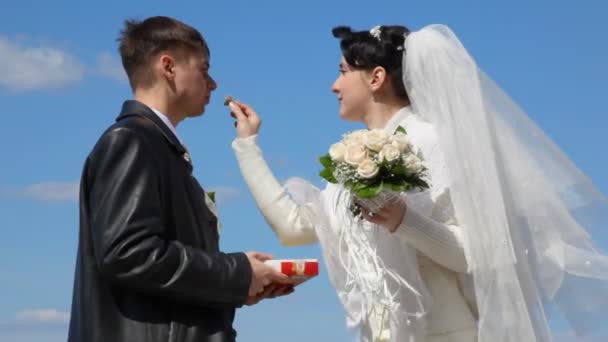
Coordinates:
x,y
212,83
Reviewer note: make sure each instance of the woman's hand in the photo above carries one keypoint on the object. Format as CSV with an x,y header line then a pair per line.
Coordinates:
x,y
390,216
247,121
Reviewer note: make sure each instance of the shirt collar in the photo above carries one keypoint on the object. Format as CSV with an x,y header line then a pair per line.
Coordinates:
x,y
397,118
167,122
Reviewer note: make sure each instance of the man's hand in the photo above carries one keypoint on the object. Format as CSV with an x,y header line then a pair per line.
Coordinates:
x,y
263,275
247,121
390,216
271,291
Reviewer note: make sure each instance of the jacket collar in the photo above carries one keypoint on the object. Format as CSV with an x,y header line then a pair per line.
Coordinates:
x,y
136,108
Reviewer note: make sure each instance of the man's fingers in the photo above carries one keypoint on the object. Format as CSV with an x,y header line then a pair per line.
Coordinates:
x,y
288,290
253,299
282,291
259,256
262,256
269,290
266,292
279,277
259,290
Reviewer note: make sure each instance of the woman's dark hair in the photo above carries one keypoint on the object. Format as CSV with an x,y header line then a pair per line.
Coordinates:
x,y
364,51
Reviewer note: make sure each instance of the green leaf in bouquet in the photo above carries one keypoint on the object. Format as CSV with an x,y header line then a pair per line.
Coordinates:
x,y
396,187
406,184
400,129
359,186
422,184
328,175
369,191
326,161
398,170
348,184
417,182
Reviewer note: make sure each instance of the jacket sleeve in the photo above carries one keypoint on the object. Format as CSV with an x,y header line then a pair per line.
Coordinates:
x,y
131,246
292,223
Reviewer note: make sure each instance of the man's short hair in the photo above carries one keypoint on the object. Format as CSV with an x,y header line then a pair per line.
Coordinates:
x,y
141,41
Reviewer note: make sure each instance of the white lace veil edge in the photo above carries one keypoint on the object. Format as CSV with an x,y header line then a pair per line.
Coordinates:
x,y
528,214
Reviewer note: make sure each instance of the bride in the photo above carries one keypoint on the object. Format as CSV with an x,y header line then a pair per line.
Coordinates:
x,y
499,241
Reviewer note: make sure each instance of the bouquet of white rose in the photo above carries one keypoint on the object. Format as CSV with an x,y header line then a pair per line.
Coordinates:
x,y
375,166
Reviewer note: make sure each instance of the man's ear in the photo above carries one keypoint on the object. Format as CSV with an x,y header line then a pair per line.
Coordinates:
x,y
377,78
167,65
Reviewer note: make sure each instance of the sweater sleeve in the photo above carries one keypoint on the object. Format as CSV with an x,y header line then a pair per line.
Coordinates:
x,y
440,242
291,222
427,222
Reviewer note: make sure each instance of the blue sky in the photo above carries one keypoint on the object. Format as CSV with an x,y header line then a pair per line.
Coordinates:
x,y
61,84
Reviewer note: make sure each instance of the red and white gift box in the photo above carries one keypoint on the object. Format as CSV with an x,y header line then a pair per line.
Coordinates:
x,y
299,270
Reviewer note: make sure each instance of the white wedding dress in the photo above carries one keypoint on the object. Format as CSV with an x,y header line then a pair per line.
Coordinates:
x,y
426,250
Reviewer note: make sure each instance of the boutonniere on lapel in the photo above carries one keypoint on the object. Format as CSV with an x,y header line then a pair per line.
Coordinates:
x,y
187,157
211,195
212,205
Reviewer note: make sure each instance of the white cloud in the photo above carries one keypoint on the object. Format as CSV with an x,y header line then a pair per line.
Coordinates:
x,y
46,335
36,66
47,191
35,320
29,66
42,316
69,192
110,67
226,194
53,191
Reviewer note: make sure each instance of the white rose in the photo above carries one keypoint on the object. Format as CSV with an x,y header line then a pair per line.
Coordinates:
x,y
355,137
337,151
389,153
355,154
412,163
367,169
401,141
376,139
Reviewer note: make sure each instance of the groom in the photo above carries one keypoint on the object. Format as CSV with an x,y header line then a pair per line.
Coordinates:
x,y
149,266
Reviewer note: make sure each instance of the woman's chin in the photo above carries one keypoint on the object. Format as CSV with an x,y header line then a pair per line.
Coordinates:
x,y
347,116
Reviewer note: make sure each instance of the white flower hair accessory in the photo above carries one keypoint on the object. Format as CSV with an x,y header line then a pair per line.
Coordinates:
x,y
402,47
375,32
